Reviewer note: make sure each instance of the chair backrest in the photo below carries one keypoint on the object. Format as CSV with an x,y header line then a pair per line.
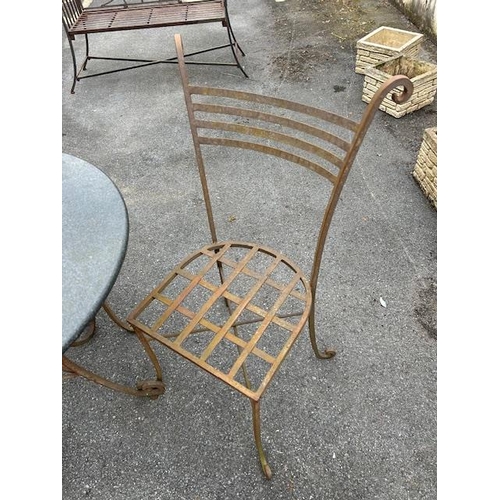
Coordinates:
x,y
339,155
71,10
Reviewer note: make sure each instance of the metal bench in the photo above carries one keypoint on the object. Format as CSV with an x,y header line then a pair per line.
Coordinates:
x,y
106,18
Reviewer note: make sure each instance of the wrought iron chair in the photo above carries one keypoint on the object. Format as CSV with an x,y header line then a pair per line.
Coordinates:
x,y
232,274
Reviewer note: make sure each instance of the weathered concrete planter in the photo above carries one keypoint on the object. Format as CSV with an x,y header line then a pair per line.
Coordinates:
x,y
422,74
384,43
425,171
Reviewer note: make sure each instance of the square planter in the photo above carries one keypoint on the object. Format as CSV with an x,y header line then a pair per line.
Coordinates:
x,y
425,171
384,43
422,74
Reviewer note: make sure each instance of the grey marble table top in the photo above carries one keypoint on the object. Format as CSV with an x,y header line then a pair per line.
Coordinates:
x,y
94,242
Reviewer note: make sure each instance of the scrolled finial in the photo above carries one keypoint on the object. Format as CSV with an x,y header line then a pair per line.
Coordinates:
x,y
399,81
389,85
386,87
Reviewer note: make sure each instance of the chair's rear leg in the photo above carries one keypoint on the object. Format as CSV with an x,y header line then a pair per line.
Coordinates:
x,y
328,353
255,404
234,328
258,442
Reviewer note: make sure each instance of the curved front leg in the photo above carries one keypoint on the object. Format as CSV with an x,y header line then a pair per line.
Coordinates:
x,y
327,353
258,442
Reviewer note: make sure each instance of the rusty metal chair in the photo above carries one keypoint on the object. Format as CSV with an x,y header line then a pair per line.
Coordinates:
x,y
232,274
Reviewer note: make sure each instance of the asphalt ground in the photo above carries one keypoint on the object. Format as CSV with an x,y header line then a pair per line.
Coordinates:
x,y
359,426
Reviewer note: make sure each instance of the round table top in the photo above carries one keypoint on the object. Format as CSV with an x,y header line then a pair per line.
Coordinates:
x,y
94,242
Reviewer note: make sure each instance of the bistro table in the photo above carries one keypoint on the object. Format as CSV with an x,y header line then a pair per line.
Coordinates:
x,y
94,243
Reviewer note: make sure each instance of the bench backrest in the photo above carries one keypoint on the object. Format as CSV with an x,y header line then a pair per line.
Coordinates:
x,y
71,9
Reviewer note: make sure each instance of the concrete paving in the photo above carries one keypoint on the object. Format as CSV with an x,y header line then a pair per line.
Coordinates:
x,y
359,426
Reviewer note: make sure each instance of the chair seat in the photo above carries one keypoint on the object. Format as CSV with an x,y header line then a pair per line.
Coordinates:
x,y
232,308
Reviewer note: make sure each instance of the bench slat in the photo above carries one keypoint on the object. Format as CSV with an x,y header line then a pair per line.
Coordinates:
x,y
141,17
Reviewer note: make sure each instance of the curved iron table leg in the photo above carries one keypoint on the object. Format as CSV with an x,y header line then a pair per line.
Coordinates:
x,y
90,329
75,71
86,335
147,388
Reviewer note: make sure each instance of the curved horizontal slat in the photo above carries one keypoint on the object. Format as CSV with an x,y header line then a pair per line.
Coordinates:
x,y
278,120
217,141
277,102
269,134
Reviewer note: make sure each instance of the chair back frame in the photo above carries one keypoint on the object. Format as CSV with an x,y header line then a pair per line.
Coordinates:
x,y
400,85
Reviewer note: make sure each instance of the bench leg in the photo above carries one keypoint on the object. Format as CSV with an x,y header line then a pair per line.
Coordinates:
x,y
84,67
77,72
233,43
73,57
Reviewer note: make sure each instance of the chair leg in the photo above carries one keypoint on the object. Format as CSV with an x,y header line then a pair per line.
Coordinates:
x,y
255,404
258,442
234,328
156,364
327,353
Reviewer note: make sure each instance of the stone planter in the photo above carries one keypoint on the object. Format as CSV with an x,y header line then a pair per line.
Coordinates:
x,y
422,74
384,43
425,171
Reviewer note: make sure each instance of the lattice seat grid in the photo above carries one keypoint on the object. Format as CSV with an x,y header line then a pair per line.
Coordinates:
x,y
195,309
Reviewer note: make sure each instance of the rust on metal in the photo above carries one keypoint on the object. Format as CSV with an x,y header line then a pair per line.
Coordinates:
x,y
147,388
197,284
78,20
171,317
